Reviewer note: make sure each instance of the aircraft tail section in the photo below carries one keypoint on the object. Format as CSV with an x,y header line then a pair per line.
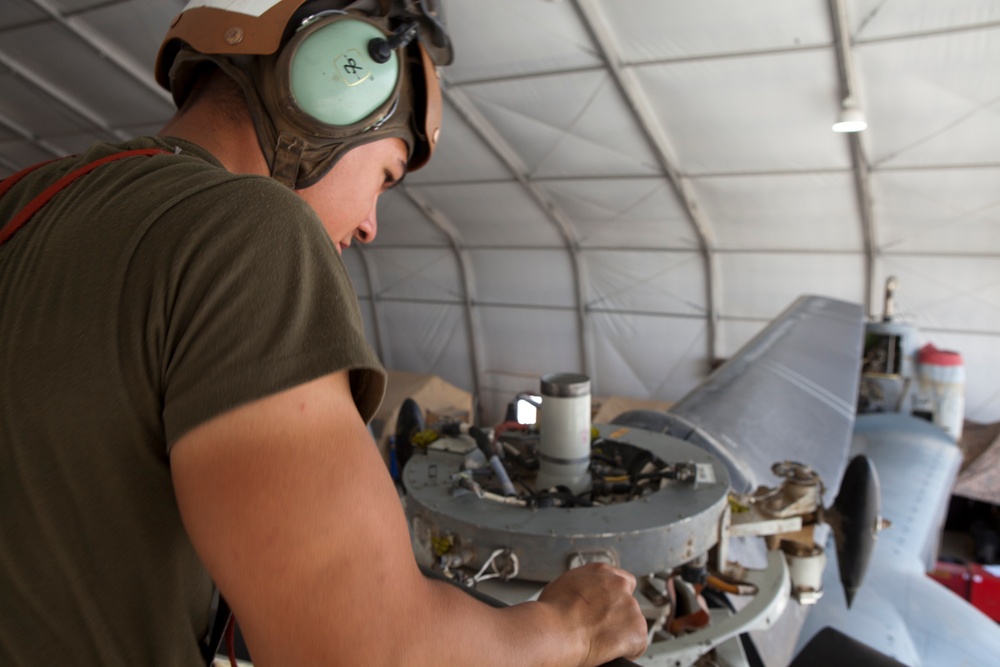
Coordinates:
x,y
899,610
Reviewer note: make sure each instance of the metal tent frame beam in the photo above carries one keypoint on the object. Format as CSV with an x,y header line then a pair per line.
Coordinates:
x,y
105,49
28,136
52,91
631,92
859,161
482,127
467,281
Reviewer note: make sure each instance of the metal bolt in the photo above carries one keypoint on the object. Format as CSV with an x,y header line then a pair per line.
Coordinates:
x,y
234,35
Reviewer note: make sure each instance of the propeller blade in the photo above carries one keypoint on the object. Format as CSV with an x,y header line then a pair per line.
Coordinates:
x,y
856,520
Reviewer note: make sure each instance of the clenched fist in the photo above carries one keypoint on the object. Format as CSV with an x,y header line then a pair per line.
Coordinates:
x,y
596,603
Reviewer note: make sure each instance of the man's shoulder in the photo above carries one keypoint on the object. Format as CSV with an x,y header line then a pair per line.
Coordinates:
x,y
182,161
188,182
185,161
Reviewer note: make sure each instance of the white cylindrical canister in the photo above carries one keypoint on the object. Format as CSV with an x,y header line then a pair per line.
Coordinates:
x,y
564,450
942,385
805,569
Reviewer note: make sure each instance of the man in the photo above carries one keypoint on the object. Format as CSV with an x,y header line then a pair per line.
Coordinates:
x,y
186,383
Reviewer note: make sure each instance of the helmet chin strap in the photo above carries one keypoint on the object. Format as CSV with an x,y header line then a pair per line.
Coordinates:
x,y
287,156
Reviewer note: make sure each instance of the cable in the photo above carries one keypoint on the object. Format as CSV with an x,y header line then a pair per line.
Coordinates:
x,y
381,50
491,561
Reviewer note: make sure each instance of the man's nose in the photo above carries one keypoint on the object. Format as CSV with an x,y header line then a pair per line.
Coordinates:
x,y
365,232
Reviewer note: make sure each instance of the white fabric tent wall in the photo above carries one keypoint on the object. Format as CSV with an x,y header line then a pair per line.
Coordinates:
x,y
735,110
630,188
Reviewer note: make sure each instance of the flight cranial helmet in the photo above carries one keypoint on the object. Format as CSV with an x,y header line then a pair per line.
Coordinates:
x,y
320,76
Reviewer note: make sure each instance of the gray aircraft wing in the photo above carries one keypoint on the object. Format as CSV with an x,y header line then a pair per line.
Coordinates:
x,y
788,394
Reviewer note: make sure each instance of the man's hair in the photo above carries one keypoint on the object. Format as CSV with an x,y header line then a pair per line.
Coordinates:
x,y
214,85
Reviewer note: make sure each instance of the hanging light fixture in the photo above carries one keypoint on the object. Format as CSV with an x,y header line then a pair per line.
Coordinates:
x,y
850,119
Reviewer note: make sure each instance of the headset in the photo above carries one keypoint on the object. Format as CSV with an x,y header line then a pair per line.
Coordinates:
x,y
321,76
341,70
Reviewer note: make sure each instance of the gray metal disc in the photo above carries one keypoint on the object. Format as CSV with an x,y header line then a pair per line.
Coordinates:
x,y
655,533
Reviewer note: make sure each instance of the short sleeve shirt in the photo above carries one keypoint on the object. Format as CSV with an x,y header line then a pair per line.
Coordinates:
x,y
150,296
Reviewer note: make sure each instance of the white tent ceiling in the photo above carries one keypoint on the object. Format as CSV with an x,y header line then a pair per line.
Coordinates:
x,y
628,188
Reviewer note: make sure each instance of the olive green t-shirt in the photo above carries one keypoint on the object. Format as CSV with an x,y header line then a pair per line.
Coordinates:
x,y
150,296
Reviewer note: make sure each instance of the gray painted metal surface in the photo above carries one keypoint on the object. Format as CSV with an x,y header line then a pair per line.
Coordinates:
x,y
899,610
655,533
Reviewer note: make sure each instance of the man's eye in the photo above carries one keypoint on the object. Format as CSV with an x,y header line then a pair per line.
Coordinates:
x,y
390,180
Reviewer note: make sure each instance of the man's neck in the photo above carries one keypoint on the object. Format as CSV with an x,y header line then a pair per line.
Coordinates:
x,y
233,143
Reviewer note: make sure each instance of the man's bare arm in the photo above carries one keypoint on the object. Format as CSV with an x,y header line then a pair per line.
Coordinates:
x,y
290,507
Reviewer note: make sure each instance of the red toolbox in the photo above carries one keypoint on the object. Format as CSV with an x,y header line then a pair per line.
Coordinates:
x,y
985,589
979,584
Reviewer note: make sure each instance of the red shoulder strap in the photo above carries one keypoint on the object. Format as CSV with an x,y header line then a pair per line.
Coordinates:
x,y
38,202
7,183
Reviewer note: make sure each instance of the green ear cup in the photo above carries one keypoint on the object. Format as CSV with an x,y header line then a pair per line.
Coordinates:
x,y
334,80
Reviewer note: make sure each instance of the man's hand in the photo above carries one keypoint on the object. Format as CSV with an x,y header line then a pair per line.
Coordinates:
x,y
597,601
